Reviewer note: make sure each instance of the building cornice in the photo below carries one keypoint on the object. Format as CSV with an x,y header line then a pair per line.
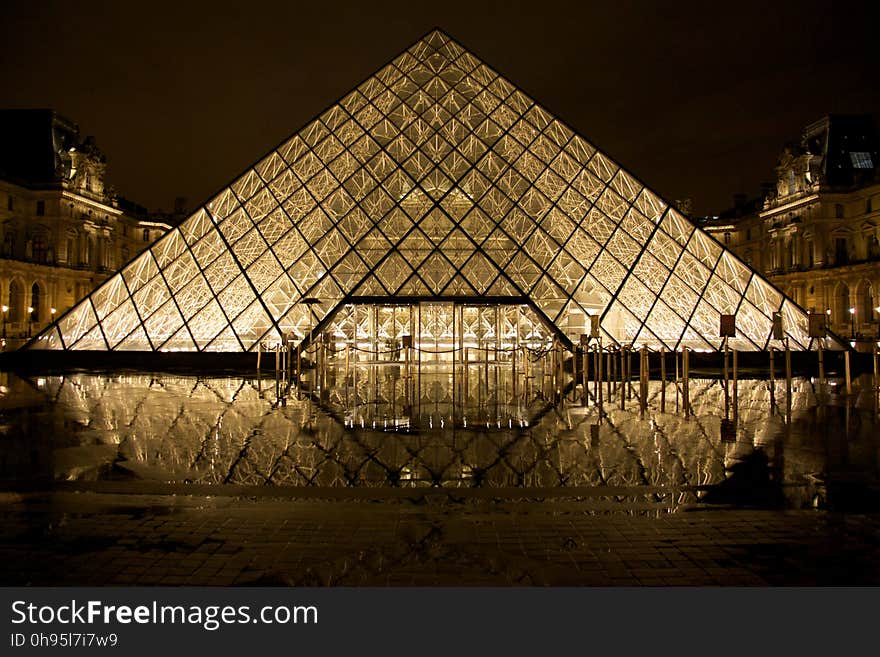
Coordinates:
x,y
108,209
791,205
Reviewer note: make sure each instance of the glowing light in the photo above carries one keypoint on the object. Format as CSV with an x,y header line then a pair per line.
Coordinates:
x,y
852,311
5,308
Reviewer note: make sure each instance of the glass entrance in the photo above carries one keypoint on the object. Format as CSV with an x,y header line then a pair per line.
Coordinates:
x,y
432,364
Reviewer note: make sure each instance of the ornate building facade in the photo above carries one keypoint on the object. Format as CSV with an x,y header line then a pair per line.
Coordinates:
x,y
62,229
816,232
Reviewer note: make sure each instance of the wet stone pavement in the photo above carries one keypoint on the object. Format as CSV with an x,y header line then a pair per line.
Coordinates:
x,y
90,537
133,479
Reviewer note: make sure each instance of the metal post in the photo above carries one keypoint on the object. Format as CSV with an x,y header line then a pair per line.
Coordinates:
x,y
876,366
788,371
623,377
585,372
643,381
677,382
726,380
735,384
513,367
848,374
609,372
822,363
599,376
772,380
685,372
662,379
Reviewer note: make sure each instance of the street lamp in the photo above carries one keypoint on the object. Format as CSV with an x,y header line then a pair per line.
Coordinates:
x,y
852,319
5,311
30,319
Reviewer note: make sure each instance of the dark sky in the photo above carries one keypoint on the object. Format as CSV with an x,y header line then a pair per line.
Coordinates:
x,y
695,98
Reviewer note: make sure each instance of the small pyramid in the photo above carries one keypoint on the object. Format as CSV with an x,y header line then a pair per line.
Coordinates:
x,y
435,179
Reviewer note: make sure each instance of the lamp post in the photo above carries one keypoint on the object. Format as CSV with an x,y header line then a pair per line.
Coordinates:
x,y
852,319
30,319
5,312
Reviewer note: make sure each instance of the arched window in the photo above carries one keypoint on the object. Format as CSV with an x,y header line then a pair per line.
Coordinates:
x,y
39,249
865,305
35,302
16,302
842,306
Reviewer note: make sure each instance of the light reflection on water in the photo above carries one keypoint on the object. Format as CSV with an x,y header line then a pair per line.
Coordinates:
x,y
229,430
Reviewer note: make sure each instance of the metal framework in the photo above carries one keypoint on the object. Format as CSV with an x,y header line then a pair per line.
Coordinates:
x,y
435,179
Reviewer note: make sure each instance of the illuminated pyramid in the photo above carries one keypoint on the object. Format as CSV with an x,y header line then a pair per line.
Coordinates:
x,y
435,179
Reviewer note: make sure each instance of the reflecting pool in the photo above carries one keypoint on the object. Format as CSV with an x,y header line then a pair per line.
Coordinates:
x,y
227,430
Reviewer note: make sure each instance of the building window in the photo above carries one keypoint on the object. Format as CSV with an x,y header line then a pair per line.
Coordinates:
x,y
868,206
726,238
873,247
861,160
9,244
35,303
748,234
41,208
792,185
9,203
811,255
841,255
39,249
15,301
838,210
146,234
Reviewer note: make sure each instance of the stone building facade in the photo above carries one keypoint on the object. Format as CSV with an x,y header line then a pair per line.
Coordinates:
x,y
816,232
62,229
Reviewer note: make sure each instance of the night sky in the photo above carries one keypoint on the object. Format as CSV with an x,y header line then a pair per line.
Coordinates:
x,y
695,100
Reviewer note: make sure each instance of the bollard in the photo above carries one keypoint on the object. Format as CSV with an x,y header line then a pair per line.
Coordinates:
x,y
735,384
788,371
677,382
662,379
259,356
643,381
467,376
513,358
685,393
772,381
876,366
585,372
629,358
726,380
848,374
609,372
560,380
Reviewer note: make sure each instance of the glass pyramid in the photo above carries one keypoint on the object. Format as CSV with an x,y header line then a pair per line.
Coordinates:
x,y
435,179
